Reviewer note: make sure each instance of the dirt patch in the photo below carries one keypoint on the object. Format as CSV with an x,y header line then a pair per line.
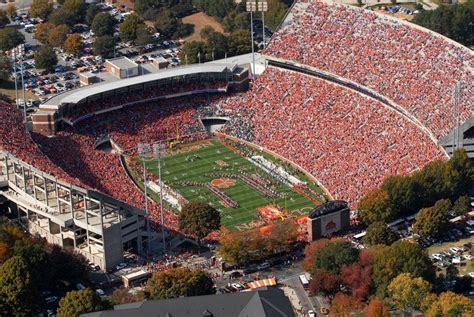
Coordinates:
x,y
200,21
223,182
10,91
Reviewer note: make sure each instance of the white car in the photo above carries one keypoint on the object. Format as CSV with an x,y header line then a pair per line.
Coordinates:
x,y
471,274
468,257
100,292
121,266
311,313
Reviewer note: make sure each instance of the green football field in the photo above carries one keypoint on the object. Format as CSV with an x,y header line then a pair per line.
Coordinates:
x,y
202,162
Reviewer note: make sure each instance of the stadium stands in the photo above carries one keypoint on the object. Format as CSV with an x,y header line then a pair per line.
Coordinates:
x,y
416,68
346,140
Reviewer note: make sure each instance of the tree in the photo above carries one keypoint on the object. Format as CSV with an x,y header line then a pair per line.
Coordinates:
x,y
334,255
451,304
376,308
11,10
92,11
462,205
379,233
403,192
400,257
80,302
276,12
236,20
37,260
406,292
199,219
4,252
58,35
104,46
282,235
433,222
358,278
67,265
42,31
463,177
73,43
143,36
344,305
4,20
10,38
103,24
17,288
179,282
5,68
375,207
45,57
310,253
239,42
41,8
10,234
191,52
324,282
130,26
166,24
217,9
123,296
77,8
62,16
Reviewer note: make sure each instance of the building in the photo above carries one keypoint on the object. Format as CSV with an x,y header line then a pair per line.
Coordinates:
x,y
262,303
160,62
327,219
88,222
88,78
122,67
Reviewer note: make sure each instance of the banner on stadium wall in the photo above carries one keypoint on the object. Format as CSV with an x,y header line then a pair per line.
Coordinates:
x,y
330,223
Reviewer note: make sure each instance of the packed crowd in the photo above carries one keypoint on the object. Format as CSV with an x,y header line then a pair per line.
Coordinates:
x,y
416,68
82,110
346,140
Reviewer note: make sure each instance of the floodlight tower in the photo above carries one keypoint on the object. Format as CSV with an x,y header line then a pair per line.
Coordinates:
x,y
252,7
263,7
159,150
143,151
457,96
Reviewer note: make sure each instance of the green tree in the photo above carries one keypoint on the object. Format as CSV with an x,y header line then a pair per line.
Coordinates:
x,y
462,205
45,57
400,257
18,288
92,11
73,43
166,24
80,302
216,44
5,68
463,176
239,42
62,16
236,20
276,12
406,292
192,51
334,255
103,24
375,206
4,20
179,282
143,36
58,35
10,38
41,8
433,222
403,192
37,260
198,218
77,8
379,233
217,9
104,46
130,26
67,265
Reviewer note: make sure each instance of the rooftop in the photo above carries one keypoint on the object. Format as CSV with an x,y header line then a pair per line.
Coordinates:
x,y
263,302
122,62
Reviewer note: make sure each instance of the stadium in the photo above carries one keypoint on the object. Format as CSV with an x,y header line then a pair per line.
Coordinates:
x,y
347,98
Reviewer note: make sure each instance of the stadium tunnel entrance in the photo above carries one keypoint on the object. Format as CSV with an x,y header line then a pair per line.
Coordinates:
x,y
212,124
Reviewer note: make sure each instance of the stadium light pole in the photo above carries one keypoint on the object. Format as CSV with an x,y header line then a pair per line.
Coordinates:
x,y
24,96
143,150
16,78
158,151
251,6
263,7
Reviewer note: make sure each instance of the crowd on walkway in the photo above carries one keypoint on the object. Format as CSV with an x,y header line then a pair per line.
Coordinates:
x,y
416,68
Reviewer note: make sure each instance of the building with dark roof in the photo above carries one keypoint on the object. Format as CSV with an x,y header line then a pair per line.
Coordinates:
x,y
327,219
264,302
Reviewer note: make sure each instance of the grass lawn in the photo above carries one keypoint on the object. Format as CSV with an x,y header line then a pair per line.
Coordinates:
x,y
200,20
467,266
198,162
9,90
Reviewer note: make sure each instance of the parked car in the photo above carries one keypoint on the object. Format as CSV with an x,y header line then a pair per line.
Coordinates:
x,y
263,266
